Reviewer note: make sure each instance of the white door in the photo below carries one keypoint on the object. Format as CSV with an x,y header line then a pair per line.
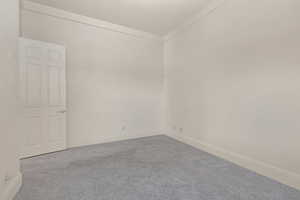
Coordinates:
x,y
42,93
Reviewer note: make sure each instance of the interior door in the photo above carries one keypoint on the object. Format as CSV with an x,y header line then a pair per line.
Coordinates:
x,y
42,95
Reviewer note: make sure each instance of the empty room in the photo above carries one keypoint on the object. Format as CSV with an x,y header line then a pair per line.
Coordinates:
x,y
150,100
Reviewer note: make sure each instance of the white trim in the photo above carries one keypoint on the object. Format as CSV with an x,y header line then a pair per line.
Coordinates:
x,y
65,15
115,139
281,175
208,9
12,187
23,39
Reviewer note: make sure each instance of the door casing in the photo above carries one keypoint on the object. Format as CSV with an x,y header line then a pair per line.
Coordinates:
x,y
42,92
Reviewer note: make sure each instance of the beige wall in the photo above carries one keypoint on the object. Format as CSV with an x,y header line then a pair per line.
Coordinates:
x,y
9,164
232,82
114,79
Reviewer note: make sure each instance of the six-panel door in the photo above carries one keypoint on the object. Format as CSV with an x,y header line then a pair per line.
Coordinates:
x,y
42,96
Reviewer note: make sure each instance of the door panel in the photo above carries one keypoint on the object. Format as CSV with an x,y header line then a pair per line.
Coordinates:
x,y
42,92
55,58
54,128
55,98
33,125
34,85
34,53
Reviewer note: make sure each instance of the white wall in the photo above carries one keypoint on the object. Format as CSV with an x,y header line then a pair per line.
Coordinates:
x,y
232,84
114,78
9,164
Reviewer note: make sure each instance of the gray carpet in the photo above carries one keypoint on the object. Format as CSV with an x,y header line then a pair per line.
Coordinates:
x,y
154,168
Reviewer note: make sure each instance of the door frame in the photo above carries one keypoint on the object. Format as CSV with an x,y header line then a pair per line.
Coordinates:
x,y
21,40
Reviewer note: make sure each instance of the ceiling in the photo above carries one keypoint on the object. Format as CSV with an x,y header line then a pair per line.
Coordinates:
x,y
154,16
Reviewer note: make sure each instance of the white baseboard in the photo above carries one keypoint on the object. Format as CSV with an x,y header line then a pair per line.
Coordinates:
x,y
12,187
127,137
283,176
115,139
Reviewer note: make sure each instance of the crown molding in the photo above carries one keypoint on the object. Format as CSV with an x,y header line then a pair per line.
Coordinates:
x,y
65,15
208,9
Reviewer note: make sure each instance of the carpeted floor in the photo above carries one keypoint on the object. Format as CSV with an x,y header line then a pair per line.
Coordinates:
x,y
154,168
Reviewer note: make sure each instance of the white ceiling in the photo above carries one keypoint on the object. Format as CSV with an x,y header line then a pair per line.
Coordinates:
x,y
154,16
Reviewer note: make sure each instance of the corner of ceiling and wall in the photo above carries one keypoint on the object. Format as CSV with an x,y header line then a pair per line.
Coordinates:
x,y
269,170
